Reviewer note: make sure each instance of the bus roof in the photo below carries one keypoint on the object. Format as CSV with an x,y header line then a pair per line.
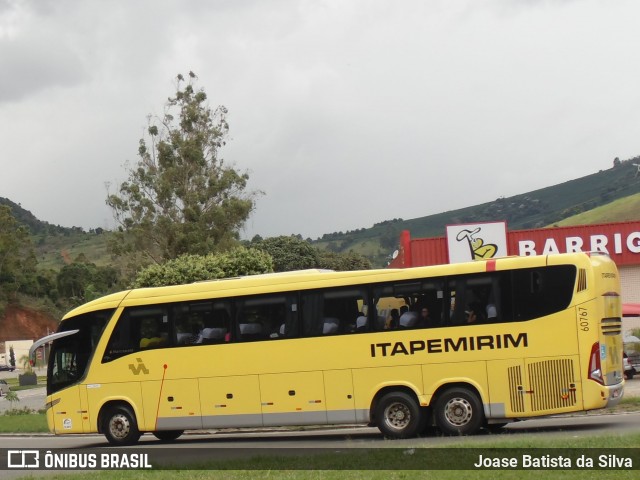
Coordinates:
x,y
306,280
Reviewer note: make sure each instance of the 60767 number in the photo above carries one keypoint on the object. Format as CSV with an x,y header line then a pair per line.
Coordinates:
x,y
583,315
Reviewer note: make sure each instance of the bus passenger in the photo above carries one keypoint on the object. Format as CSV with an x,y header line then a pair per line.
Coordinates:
x,y
362,322
492,312
408,319
150,336
425,320
474,313
392,320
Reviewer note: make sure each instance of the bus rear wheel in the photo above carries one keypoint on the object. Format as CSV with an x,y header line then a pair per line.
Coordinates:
x,y
120,426
168,435
398,415
458,411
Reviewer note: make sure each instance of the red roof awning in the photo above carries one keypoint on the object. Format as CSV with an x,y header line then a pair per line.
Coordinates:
x,y
631,309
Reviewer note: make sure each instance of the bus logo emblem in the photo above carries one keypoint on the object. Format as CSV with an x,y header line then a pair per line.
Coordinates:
x,y
136,369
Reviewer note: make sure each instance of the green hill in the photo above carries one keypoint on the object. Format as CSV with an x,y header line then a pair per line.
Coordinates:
x,y
607,196
609,192
626,209
35,226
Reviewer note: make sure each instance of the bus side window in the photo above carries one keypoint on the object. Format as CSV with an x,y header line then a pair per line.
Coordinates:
x,y
121,341
138,328
408,305
474,299
187,323
266,317
331,312
214,326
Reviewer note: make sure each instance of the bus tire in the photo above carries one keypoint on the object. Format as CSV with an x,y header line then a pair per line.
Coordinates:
x,y
120,426
495,427
168,435
398,415
458,411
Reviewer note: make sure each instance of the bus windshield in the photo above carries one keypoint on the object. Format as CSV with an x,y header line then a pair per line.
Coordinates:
x,y
70,355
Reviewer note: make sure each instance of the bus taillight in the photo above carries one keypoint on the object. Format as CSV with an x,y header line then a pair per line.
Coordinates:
x,y
595,368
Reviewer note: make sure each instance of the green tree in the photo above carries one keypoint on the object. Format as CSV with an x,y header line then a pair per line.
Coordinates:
x,y
239,261
17,259
390,237
12,398
343,261
84,281
12,357
289,253
181,198
294,253
73,280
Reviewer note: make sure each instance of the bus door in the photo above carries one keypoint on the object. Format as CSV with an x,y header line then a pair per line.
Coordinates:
x,y
69,404
67,411
85,411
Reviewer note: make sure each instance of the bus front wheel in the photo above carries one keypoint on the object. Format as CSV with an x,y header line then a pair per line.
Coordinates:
x,y
120,426
398,415
458,411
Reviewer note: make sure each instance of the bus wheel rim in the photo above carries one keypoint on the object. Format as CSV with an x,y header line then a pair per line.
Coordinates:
x,y
458,411
397,415
119,426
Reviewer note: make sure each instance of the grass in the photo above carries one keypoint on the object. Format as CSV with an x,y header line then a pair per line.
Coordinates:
x,y
15,387
347,475
23,421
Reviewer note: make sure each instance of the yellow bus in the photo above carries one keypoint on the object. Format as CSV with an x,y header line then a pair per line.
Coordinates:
x,y
457,347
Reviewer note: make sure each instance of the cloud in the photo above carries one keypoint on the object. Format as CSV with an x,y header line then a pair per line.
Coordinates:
x,y
32,57
344,113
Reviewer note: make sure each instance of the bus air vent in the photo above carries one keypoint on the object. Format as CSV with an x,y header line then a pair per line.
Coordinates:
x,y
611,326
552,384
582,280
516,392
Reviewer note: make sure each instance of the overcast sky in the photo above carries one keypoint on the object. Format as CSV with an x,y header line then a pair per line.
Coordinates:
x,y
344,112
